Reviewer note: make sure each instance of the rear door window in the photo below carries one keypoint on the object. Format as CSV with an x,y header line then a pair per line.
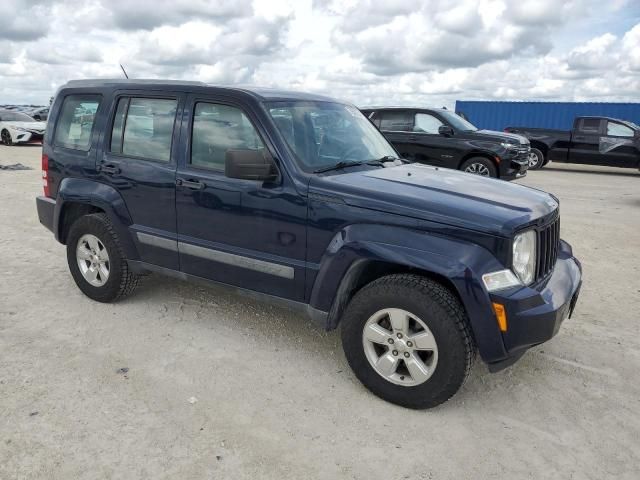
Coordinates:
x,y
75,122
396,121
590,125
143,128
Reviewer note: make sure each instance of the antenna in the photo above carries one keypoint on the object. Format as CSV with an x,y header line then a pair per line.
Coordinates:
x,y
124,71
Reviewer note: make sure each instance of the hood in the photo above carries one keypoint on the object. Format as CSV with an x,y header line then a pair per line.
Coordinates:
x,y
37,126
504,137
441,195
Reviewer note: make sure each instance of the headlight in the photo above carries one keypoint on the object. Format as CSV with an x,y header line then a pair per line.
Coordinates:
x,y
509,146
20,129
524,256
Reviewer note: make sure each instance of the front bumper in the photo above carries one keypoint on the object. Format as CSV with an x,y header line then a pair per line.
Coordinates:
x,y
27,136
514,166
535,313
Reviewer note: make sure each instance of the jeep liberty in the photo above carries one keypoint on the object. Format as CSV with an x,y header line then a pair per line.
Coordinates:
x,y
299,199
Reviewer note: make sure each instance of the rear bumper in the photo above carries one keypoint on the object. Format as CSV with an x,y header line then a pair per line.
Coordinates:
x,y
534,314
46,207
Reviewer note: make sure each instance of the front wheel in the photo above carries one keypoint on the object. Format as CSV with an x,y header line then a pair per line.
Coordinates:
x,y
536,159
96,260
5,136
480,166
407,339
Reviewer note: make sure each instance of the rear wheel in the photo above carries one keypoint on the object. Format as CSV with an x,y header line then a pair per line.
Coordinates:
x,y
480,166
536,159
6,137
96,260
408,341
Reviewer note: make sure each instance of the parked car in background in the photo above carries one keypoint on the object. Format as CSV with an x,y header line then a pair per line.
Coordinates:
x,y
17,127
298,199
440,137
592,141
39,114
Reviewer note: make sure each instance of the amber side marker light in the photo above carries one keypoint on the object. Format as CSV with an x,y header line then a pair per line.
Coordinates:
x,y
501,316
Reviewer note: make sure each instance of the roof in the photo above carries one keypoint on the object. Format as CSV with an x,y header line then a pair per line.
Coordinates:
x,y
404,107
260,93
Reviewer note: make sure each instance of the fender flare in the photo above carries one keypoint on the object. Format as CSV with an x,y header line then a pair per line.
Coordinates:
x,y
458,262
101,196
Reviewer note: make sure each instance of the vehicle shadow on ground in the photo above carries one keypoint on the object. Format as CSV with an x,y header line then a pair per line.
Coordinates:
x,y
210,304
622,173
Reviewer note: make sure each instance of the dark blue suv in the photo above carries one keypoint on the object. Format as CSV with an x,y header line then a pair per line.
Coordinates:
x,y
299,198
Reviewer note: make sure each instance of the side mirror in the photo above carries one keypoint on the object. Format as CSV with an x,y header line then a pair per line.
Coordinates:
x,y
445,130
250,165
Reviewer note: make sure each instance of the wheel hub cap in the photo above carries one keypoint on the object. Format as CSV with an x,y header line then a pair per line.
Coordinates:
x,y
93,260
533,159
400,347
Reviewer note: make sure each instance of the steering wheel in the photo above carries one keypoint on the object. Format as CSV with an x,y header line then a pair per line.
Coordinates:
x,y
351,151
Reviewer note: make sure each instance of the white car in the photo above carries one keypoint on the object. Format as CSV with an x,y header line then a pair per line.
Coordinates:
x,y
16,127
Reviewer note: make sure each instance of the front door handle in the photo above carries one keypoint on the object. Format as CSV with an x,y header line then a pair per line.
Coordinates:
x,y
110,169
192,184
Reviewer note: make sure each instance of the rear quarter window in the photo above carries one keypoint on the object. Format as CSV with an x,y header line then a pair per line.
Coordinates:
x,y
76,120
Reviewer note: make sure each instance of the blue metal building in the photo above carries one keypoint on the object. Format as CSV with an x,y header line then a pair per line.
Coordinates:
x,y
498,115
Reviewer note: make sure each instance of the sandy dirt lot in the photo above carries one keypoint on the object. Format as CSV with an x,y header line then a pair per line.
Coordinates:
x,y
275,397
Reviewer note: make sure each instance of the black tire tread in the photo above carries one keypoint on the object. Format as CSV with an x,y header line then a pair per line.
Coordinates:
x,y
128,279
450,303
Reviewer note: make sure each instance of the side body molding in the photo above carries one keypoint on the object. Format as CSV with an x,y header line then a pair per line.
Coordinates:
x,y
461,263
99,195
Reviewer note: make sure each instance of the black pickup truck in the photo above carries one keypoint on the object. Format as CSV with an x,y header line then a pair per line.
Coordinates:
x,y
592,141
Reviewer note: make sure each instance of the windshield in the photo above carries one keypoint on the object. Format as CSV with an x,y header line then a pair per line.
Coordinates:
x,y
457,122
632,125
322,134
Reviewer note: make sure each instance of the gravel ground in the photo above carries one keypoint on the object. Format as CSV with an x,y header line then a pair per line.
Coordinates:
x,y
184,381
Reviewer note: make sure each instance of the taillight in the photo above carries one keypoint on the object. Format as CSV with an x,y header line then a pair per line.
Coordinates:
x,y
46,181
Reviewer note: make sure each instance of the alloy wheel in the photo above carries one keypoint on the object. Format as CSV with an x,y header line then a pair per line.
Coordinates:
x,y
400,347
478,169
93,260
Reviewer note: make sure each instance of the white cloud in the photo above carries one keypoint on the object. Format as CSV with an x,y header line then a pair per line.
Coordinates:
x,y
365,51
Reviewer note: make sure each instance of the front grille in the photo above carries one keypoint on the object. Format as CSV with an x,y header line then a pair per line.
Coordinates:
x,y
548,247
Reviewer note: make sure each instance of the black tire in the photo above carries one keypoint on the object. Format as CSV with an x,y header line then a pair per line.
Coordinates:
x,y
445,317
540,162
5,136
478,163
121,281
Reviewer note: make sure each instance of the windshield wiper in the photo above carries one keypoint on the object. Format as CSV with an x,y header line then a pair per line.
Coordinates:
x,y
391,158
342,164
338,166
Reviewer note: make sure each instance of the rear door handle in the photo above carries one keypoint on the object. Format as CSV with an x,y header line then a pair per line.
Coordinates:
x,y
192,184
110,169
